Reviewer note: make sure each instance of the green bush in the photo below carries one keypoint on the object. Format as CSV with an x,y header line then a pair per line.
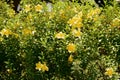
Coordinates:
x,y
68,42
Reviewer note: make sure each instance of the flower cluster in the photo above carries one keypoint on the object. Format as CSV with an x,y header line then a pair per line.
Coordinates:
x,y
28,31
40,66
37,8
71,47
76,21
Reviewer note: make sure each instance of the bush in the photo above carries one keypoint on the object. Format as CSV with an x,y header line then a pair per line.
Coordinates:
x,y
70,41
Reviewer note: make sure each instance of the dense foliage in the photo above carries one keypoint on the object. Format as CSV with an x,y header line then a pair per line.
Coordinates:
x,y
66,42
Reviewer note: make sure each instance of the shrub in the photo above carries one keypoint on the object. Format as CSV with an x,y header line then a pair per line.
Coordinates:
x,y
67,42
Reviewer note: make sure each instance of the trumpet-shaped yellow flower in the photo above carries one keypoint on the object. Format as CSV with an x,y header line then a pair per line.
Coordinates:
x,y
60,35
5,32
109,72
70,58
40,66
44,67
38,7
76,33
27,8
71,47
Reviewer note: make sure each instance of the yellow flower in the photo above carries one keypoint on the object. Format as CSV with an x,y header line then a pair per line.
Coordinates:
x,y
71,47
39,66
11,12
60,35
62,14
76,33
5,32
44,67
71,21
109,72
97,11
78,24
27,8
70,58
38,7
76,21
93,13
26,31
115,22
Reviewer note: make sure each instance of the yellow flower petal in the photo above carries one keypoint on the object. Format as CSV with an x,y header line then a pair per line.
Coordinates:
x,y
70,58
